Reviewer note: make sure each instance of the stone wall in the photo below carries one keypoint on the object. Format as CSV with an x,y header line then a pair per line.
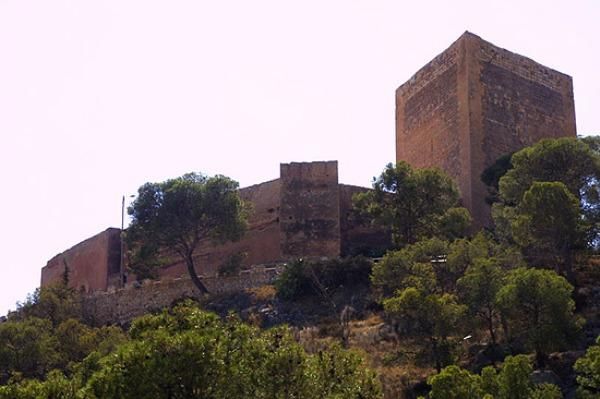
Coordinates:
x,y
90,262
427,116
260,243
514,102
123,305
358,236
473,103
309,210
304,213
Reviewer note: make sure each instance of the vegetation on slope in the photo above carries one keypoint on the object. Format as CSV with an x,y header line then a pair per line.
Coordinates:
x,y
443,315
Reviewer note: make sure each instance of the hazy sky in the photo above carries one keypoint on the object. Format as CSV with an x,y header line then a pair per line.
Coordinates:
x,y
98,97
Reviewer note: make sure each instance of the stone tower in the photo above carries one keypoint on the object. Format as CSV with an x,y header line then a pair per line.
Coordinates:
x,y
474,103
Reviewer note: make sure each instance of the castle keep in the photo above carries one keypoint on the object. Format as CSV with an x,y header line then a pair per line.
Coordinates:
x,y
467,107
474,103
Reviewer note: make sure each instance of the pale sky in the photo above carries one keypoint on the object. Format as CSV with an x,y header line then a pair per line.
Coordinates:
x,y
99,97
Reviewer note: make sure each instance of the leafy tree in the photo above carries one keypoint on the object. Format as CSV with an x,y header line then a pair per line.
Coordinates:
x,y
431,316
588,372
548,225
513,381
188,353
566,160
56,303
413,203
538,308
176,215
409,267
478,289
302,277
28,348
453,382
435,265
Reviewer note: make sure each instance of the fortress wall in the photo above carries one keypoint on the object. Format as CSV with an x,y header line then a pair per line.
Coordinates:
x,y
123,305
309,210
358,236
90,262
260,243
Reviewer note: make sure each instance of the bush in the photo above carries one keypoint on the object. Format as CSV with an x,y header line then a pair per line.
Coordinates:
x,y
302,278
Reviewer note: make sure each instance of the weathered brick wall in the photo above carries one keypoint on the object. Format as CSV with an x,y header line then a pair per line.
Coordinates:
x,y
473,103
123,305
90,262
260,243
358,236
309,210
514,102
431,124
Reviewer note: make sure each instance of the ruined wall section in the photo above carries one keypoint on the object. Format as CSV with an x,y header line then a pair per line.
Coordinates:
x,y
260,243
90,262
309,210
123,305
358,235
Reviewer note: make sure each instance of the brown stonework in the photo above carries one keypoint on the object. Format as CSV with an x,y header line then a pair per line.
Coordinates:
x,y
120,306
305,213
358,236
90,262
310,210
260,243
473,103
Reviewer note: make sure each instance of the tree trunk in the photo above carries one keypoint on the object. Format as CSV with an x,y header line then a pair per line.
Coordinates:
x,y
491,329
540,359
436,357
189,261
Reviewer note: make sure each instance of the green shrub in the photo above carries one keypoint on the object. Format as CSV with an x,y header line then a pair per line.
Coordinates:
x,y
301,278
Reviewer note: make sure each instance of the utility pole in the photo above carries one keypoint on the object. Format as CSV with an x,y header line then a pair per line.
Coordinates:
x,y
122,261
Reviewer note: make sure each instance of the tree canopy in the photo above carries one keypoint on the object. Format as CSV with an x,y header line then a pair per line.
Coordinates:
x,y
569,161
414,203
190,353
539,310
177,214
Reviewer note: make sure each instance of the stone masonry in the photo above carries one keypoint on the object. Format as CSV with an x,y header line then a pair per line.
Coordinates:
x,y
474,103
470,105
304,213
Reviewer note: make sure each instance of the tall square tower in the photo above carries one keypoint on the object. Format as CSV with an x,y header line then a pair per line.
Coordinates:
x,y
474,103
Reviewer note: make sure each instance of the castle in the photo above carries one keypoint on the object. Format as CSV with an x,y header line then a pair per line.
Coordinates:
x,y
471,104
304,213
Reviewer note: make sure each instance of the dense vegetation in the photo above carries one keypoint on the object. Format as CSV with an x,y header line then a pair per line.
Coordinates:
x,y
181,353
441,290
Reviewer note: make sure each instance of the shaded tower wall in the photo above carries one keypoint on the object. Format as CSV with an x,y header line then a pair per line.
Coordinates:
x,y
91,263
309,209
474,103
358,235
